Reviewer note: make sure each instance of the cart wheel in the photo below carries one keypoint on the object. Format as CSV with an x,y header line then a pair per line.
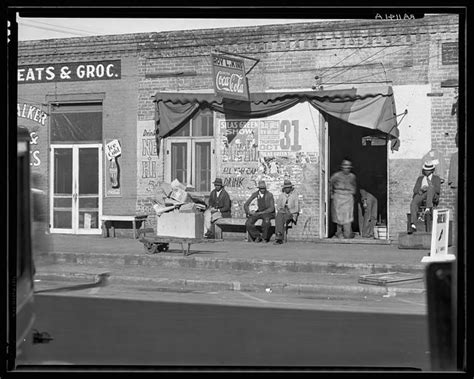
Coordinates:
x,y
163,247
150,248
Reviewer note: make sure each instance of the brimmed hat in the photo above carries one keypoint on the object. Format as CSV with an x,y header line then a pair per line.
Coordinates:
x,y
262,184
287,184
428,166
218,181
346,164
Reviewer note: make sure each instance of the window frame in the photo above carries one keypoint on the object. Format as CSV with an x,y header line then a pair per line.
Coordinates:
x,y
191,142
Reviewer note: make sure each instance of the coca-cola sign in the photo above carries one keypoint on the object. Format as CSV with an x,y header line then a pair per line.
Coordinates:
x,y
229,77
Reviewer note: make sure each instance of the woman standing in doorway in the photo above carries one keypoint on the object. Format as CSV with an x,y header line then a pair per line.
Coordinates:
x,y
343,188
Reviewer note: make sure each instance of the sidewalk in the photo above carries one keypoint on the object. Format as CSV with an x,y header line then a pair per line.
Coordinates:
x,y
234,265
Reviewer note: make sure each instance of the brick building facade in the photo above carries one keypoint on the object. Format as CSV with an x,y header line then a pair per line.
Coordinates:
x,y
416,58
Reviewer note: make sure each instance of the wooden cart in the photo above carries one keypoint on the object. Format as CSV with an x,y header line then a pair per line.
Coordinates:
x,y
157,244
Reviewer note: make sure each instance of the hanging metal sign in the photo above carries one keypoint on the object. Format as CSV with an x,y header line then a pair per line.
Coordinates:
x,y
228,75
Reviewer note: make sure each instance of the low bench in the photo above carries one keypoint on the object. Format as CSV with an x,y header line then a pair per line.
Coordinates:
x,y
109,220
239,223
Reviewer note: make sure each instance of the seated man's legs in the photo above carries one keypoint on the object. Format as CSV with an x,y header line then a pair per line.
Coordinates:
x,y
207,221
251,228
430,193
266,226
280,221
414,205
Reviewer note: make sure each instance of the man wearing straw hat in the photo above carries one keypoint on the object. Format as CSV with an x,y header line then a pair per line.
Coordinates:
x,y
427,188
265,211
343,188
219,207
288,209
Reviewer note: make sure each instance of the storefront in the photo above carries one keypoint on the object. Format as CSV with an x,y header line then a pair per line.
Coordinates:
x,y
275,136
77,129
111,119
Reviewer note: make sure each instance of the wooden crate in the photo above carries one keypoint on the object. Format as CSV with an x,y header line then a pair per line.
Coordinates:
x,y
184,225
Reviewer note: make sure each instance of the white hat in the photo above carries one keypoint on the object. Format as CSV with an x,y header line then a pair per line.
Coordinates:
x,y
428,166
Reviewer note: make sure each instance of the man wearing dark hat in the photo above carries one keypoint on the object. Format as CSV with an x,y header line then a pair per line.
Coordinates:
x,y
288,209
219,207
343,188
265,211
427,188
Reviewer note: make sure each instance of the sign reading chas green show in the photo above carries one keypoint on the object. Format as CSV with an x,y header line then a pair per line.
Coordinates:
x,y
69,72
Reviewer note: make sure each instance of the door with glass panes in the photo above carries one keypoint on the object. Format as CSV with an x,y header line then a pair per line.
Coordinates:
x,y
76,184
76,169
190,153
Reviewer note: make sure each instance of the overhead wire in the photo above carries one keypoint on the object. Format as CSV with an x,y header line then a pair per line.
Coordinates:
x,y
57,30
372,61
21,21
385,70
338,73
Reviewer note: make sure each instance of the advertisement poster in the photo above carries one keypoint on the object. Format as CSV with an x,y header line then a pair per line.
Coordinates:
x,y
288,133
113,155
268,148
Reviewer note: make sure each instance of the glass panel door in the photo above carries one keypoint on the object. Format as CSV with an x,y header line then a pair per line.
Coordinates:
x,y
88,190
202,169
179,162
62,193
77,191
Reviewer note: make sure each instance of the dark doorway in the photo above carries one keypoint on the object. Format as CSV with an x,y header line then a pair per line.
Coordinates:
x,y
369,164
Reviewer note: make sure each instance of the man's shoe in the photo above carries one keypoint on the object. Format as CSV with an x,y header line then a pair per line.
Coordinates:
x,y
413,228
278,242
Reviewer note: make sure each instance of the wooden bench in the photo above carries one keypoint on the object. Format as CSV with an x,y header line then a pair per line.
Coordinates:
x,y
239,223
111,219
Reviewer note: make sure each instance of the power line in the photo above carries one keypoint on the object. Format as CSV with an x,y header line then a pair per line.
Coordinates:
x,y
384,71
55,30
337,73
55,26
349,68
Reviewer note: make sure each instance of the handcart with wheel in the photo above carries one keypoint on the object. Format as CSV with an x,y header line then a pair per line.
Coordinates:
x,y
158,244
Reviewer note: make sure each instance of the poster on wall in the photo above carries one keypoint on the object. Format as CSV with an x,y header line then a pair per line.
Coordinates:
x,y
268,148
147,160
113,153
288,133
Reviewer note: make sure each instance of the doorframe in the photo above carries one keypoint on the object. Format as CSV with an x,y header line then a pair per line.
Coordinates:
x,y
324,177
75,184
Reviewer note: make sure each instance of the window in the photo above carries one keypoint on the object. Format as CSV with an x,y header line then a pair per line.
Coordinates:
x,y
189,151
73,123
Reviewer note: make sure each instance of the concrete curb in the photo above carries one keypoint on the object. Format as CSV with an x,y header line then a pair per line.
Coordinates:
x,y
232,285
229,263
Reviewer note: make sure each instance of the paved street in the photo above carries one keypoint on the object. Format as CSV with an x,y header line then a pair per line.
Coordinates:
x,y
105,301
208,329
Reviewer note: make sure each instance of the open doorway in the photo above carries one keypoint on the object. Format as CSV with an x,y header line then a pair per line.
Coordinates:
x,y
369,161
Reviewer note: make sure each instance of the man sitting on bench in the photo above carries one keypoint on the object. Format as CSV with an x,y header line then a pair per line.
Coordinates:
x,y
219,207
288,209
427,188
265,211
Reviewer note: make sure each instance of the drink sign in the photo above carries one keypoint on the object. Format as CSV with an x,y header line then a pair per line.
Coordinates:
x,y
439,237
228,75
113,149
